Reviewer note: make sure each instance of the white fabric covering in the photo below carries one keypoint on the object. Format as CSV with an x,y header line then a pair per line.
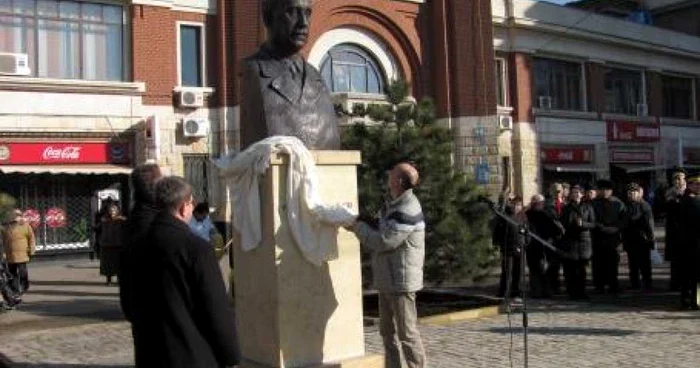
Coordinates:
x,y
314,225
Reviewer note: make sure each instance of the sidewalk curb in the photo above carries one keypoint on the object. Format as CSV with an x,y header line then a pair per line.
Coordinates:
x,y
460,316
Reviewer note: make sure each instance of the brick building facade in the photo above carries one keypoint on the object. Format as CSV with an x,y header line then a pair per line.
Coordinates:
x,y
595,96
148,73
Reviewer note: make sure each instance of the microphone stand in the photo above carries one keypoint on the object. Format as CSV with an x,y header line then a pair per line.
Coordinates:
x,y
523,261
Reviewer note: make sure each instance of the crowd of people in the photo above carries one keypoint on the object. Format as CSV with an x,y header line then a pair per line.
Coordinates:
x,y
576,224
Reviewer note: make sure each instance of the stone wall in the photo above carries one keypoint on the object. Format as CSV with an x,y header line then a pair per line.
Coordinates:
x,y
478,140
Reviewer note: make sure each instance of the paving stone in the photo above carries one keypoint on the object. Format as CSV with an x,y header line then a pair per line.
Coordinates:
x,y
74,320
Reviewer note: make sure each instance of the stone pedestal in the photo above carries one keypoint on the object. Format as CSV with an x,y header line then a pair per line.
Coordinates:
x,y
291,313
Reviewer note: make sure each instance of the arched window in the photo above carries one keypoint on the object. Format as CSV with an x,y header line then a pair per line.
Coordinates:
x,y
349,68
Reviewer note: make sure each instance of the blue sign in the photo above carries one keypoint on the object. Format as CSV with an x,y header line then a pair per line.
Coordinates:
x,y
481,173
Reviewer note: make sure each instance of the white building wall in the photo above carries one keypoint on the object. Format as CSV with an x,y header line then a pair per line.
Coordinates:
x,y
52,115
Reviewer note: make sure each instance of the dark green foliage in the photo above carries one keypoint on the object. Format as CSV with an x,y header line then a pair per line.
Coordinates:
x,y
7,204
458,236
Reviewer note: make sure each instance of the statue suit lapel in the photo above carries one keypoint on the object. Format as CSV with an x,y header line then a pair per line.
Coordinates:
x,y
313,85
279,79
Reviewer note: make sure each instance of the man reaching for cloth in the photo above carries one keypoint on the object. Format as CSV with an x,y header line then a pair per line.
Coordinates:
x,y
398,252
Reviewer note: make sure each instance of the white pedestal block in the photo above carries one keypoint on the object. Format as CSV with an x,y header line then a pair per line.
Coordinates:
x,y
291,313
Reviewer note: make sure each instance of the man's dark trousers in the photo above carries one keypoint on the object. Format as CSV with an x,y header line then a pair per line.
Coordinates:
x,y
20,277
639,263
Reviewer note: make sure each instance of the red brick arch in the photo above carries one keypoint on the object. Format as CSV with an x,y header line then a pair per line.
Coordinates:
x,y
392,22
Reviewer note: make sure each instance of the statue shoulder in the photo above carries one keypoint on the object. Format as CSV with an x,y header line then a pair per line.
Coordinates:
x,y
313,72
252,62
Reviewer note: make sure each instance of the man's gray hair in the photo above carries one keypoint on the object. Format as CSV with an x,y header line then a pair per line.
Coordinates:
x,y
171,192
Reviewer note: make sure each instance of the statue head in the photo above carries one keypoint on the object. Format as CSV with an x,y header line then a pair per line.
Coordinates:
x,y
287,23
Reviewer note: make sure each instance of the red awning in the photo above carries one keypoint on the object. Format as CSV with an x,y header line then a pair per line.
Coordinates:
x,y
66,169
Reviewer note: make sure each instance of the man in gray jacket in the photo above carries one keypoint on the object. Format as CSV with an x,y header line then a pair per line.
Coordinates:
x,y
398,251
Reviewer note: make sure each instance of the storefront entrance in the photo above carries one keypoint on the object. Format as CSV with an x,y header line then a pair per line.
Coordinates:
x,y
58,206
621,175
567,164
55,184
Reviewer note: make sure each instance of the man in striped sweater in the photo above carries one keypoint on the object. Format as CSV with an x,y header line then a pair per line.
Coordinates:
x,y
398,252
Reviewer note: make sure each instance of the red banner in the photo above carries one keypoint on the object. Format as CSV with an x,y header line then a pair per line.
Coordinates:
x,y
628,131
25,153
567,155
632,156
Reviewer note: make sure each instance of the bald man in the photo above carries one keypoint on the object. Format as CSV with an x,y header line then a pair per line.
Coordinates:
x,y
398,251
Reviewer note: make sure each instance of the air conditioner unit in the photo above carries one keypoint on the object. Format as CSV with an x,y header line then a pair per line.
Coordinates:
x,y
642,110
505,122
544,102
195,127
191,97
14,64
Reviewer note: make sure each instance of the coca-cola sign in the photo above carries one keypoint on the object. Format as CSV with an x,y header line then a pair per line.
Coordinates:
x,y
32,153
65,153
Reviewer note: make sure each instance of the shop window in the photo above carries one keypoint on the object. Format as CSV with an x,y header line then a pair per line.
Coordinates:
x,y
44,195
349,68
197,174
623,92
191,55
65,39
677,97
501,82
558,84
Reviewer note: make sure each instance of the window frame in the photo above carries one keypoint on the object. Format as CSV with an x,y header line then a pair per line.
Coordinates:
x,y
583,103
504,82
190,159
693,112
642,88
202,46
371,64
125,72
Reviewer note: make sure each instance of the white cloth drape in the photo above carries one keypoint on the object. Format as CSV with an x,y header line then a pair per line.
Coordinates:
x,y
314,225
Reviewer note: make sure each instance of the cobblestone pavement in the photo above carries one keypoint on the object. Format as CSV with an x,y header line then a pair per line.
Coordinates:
x,y
632,330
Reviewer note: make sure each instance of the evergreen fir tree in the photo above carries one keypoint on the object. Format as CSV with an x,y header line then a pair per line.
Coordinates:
x,y
458,244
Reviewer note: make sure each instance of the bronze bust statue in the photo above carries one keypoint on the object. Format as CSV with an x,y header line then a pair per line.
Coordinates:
x,y
282,94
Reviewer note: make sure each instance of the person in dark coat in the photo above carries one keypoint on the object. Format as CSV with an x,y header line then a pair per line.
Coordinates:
x,y
542,225
610,219
578,219
143,184
689,252
638,237
555,208
111,242
513,241
672,203
184,317
590,193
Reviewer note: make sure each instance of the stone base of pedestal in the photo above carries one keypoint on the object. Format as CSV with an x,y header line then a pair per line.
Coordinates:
x,y
367,361
290,312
